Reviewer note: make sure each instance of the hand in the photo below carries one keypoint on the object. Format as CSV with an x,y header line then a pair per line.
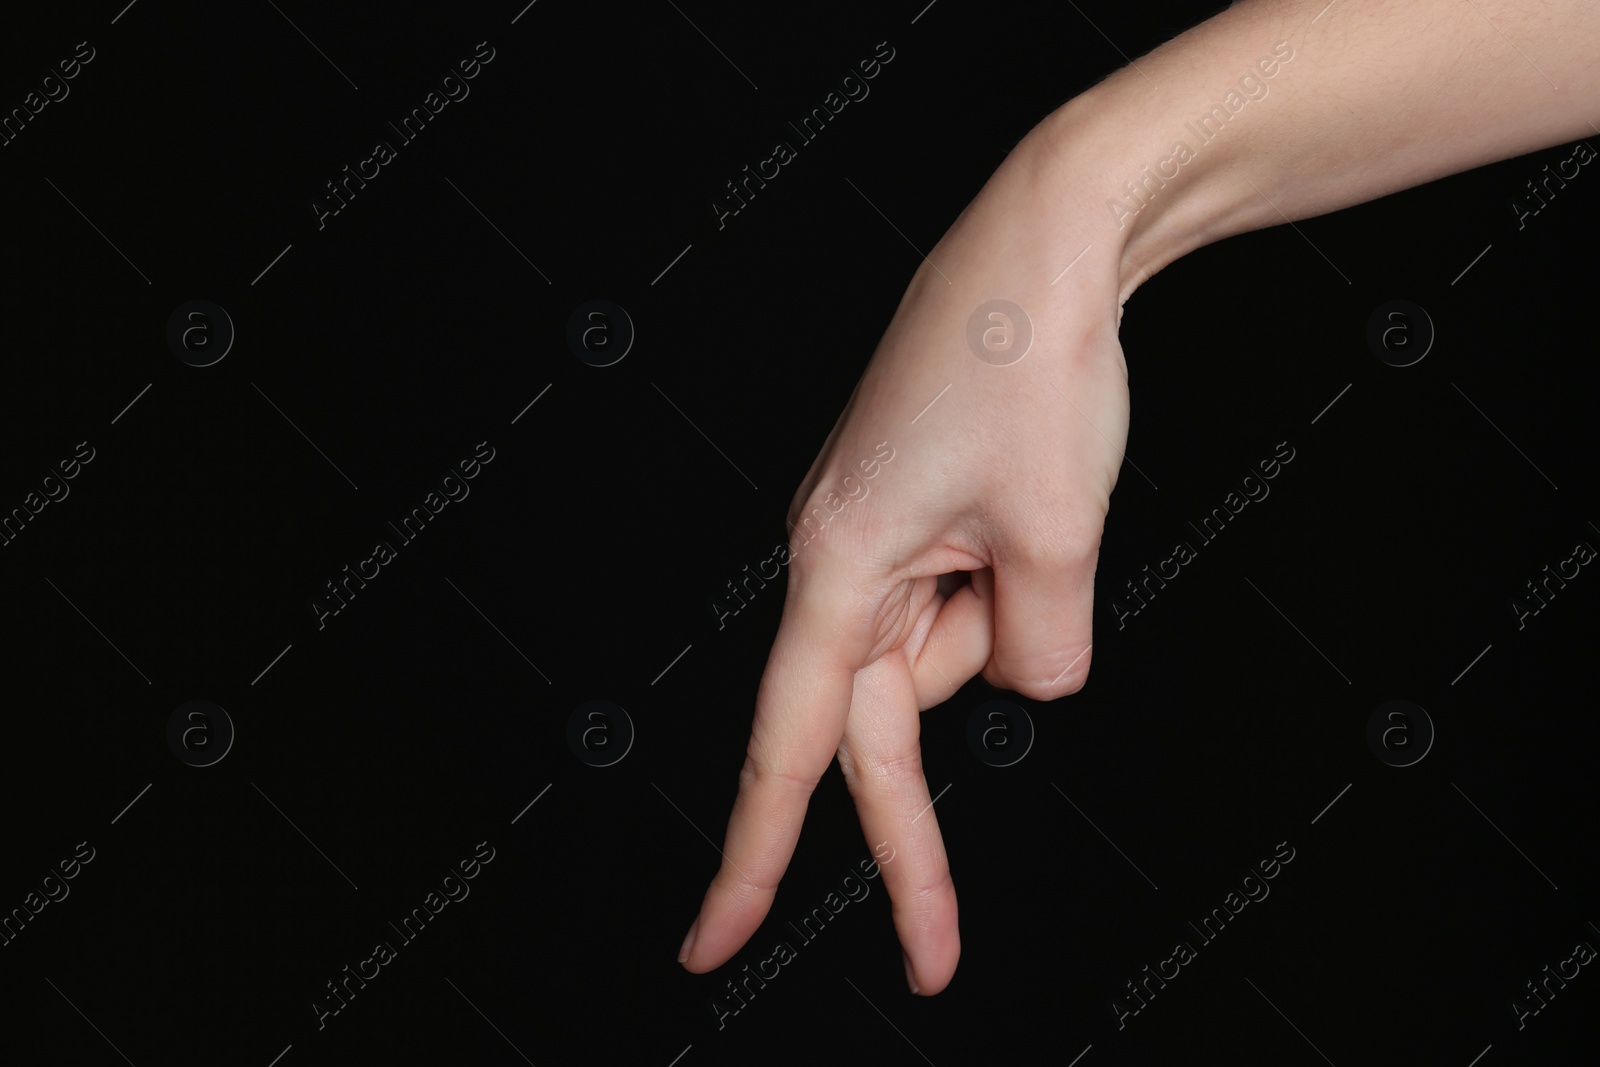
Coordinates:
x,y
1005,478
1008,475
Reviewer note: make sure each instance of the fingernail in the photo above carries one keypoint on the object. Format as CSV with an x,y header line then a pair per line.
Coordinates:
x,y
688,941
911,979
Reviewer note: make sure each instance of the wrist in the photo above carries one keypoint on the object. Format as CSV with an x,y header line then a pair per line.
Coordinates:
x,y
1161,172
1143,195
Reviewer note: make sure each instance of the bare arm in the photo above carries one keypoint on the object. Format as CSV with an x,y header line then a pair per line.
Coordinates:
x,y
1274,111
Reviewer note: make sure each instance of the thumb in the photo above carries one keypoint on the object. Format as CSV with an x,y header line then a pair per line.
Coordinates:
x,y
1043,619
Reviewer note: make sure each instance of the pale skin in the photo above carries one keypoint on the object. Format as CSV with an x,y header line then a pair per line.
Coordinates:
x,y
1005,482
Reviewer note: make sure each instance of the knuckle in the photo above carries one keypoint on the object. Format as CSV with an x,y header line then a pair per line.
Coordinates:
x,y
931,889
761,771
741,887
831,525
896,767
1063,543
873,772
928,902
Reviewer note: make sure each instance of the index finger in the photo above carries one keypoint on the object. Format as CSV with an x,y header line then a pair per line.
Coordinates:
x,y
801,709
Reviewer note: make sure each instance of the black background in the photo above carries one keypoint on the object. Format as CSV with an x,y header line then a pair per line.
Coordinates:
x,y
427,714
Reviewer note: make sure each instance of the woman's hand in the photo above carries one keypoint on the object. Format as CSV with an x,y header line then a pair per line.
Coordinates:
x,y
998,468
1005,471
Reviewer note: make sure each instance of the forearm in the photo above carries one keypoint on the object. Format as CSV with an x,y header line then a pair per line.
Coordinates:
x,y
1201,139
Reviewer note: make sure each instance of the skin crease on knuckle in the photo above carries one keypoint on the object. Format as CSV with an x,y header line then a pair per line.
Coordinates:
x,y
760,769
900,772
924,900
743,889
